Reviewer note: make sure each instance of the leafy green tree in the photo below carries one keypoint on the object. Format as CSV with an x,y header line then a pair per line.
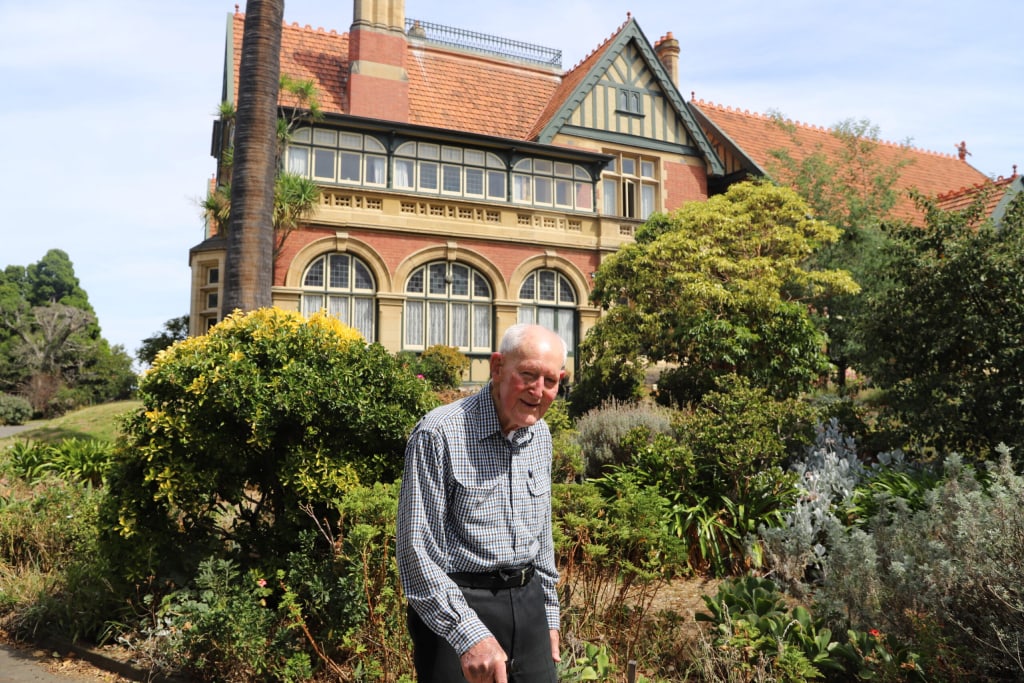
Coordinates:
x,y
852,187
52,281
175,330
249,435
717,288
946,339
51,348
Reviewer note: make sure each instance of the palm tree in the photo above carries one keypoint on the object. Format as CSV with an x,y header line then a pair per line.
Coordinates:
x,y
249,261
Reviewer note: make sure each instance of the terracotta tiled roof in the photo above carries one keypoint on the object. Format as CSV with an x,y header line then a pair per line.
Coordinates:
x,y
931,173
571,81
306,54
994,192
475,94
447,89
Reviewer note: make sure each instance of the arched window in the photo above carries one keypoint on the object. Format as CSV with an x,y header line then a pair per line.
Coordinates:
x,y
342,285
448,303
549,299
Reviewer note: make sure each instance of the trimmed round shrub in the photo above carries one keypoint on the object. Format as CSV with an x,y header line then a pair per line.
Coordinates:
x,y
252,434
14,410
443,366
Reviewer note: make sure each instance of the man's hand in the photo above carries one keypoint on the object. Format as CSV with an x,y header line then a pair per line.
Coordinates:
x,y
485,662
556,653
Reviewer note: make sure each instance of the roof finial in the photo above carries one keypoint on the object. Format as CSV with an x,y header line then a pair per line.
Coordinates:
x,y
236,8
1014,171
961,150
629,15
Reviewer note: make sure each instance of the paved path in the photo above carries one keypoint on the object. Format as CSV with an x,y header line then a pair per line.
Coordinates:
x,y
11,430
28,665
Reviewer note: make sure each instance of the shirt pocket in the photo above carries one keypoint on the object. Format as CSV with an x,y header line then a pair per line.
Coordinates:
x,y
478,500
538,485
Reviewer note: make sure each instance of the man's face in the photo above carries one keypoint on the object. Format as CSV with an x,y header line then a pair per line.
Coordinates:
x,y
525,383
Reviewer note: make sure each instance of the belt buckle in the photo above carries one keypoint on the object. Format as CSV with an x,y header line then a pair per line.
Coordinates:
x,y
522,575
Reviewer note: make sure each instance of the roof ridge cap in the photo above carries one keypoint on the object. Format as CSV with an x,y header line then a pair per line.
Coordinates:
x,y
810,126
964,189
601,45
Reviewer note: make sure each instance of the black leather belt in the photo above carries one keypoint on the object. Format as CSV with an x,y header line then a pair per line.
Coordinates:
x,y
511,577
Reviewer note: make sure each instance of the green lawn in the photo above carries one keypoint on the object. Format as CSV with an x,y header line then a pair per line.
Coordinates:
x,y
96,422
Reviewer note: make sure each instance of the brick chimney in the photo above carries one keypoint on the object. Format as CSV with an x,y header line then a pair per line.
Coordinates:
x,y
667,49
378,84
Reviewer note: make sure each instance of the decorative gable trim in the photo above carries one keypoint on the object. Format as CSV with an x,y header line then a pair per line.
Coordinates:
x,y
1015,187
630,34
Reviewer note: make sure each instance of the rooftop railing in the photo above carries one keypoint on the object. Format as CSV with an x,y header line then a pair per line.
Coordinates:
x,y
481,42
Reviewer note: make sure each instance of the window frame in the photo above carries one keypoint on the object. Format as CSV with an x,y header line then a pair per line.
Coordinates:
x,y
352,294
424,301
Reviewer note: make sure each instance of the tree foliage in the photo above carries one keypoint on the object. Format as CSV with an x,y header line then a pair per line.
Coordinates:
x,y
51,349
715,288
946,339
175,330
251,433
853,187
295,196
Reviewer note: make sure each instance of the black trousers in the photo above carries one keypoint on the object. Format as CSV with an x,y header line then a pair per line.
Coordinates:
x,y
515,616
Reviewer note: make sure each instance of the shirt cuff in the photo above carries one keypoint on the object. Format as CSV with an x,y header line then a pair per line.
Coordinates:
x,y
465,636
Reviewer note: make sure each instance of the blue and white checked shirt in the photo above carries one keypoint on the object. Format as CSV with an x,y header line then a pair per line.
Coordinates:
x,y
472,500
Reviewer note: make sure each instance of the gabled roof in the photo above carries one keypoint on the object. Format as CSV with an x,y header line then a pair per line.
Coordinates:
x,y
997,194
755,136
464,91
581,79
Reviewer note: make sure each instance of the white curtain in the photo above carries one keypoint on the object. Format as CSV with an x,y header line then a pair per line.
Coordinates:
x,y
438,333
403,173
482,327
375,170
311,303
460,326
363,317
414,323
567,327
337,306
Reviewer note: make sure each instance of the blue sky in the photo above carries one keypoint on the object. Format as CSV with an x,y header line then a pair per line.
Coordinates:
x,y
108,104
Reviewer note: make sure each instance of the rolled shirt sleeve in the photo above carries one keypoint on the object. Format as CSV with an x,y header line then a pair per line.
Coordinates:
x,y
472,501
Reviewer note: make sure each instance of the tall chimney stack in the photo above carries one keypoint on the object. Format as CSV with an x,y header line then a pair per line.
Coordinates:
x,y
378,84
667,50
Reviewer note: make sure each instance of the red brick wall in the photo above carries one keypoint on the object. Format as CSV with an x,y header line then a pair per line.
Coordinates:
x,y
375,96
393,249
684,183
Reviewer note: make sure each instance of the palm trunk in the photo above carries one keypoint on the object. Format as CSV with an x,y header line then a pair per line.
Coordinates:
x,y
249,261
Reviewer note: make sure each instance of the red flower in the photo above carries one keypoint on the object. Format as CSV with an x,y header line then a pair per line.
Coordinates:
x,y
874,633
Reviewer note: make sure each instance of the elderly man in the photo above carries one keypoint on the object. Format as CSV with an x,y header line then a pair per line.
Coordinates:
x,y
475,553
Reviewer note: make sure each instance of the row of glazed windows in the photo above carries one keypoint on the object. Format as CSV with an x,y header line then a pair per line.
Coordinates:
x,y
447,303
629,183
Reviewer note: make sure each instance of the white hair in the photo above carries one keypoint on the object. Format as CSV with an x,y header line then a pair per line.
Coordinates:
x,y
515,338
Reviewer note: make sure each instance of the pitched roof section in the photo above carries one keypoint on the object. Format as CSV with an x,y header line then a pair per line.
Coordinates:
x,y
997,196
585,76
465,91
306,54
568,93
459,91
753,137
476,94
